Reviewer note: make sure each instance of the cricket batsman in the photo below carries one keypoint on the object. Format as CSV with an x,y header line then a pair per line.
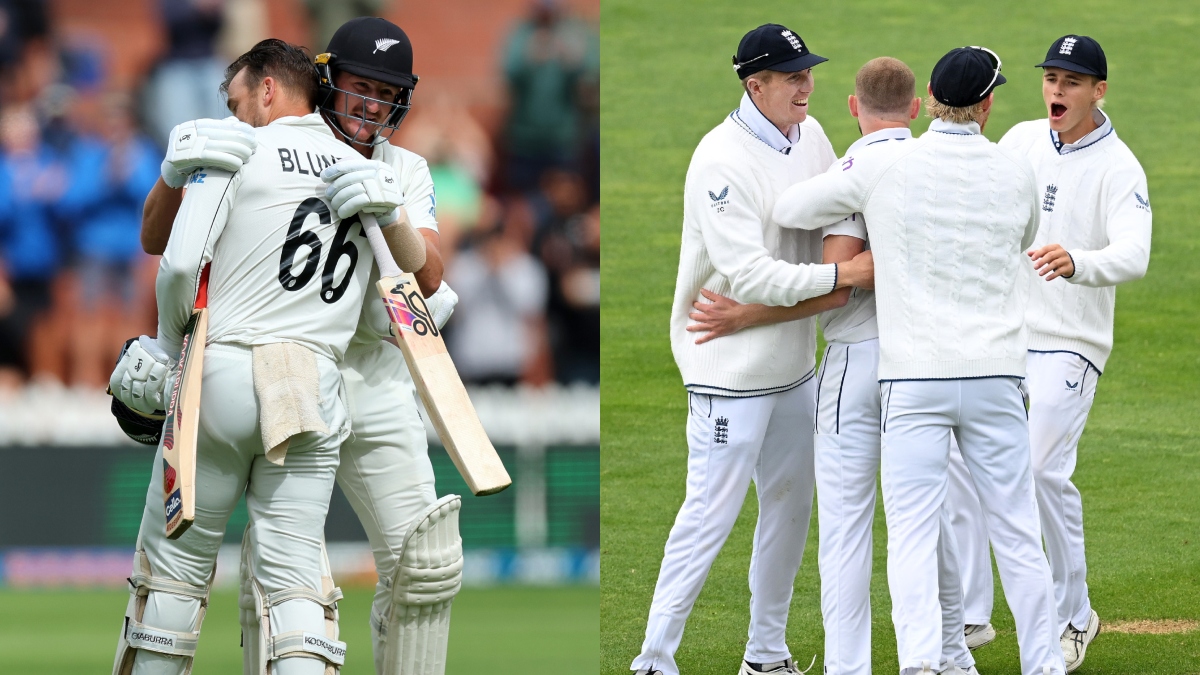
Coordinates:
x,y
385,470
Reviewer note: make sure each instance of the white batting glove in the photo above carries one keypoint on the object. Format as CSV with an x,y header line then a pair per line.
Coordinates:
x,y
363,185
206,143
441,304
140,378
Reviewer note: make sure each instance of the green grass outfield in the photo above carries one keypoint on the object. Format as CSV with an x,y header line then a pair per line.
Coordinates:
x,y
507,630
667,80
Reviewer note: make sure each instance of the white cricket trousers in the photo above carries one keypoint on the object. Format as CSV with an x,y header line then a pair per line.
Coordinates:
x,y
1062,387
988,417
385,470
287,505
731,441
970,532
847,463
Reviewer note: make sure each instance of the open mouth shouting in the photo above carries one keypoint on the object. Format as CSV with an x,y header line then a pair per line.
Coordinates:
x,y
1057,111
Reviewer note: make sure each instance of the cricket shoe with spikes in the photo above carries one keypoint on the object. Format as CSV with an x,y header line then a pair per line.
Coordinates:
x,y
979,635
1075,642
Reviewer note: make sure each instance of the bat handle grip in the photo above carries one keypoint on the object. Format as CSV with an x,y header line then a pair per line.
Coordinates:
x,y
383,255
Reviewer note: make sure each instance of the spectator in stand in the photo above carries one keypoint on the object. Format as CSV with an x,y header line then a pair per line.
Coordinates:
x,y
498,335
570,250
185,84
549,62
113,167
26,55
327,16
459,153
33,182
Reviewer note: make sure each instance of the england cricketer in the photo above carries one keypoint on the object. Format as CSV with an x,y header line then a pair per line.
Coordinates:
x,y
1093,233
949,215
271,416
847,444
385,470
750,395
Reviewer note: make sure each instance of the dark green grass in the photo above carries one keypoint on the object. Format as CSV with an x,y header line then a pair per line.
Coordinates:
x,y
495,630
667,81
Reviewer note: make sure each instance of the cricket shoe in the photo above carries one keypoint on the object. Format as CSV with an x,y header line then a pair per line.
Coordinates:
x,y
978,636
959,670
648,671
1075,642
785,667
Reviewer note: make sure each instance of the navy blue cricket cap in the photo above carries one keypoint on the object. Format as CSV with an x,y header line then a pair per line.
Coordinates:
x,y
965,76
1078,54
773,47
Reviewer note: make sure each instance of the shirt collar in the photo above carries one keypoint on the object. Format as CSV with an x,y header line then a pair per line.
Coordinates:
x,y
881,136
312,121
756,123
942,126
1096,134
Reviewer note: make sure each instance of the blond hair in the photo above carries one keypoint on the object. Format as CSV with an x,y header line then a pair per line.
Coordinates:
x,y
763,76
938,110
885,87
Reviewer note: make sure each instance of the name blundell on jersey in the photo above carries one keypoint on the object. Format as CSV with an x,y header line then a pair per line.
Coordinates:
x,y
290,160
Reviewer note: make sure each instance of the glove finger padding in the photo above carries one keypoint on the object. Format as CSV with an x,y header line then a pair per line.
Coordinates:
x,y
347,166
362,185
221,144
140,378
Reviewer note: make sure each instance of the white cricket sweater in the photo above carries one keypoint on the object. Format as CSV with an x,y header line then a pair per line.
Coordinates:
x,y
733,247
1094,203
949,217
856,321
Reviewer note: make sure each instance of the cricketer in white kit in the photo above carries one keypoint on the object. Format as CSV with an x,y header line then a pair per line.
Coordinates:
x,y
271,416
750,395
384,470
1093,233
949,215
847,447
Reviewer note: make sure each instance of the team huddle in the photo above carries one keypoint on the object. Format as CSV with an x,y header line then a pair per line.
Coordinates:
x,y
966,290
291,212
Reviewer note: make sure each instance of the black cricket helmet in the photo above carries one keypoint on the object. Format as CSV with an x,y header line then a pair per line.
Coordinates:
x,y
145,429
376,49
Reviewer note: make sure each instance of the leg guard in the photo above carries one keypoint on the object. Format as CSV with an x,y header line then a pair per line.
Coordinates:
x,y
137,636
262,643
416,630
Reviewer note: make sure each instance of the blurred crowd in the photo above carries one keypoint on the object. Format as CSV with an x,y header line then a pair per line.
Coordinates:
x,y
518,205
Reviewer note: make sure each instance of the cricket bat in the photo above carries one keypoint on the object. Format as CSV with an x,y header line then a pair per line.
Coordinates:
x,y
183,420
433,371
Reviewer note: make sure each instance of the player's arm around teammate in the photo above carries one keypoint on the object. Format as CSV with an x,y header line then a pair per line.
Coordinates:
x,y
385,470
1094,233
260,330
750,402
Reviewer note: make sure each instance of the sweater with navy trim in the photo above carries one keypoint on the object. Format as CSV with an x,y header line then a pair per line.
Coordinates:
x,y
1094,203
732,246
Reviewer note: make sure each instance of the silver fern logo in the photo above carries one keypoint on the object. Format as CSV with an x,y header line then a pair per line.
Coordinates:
x,y
384,44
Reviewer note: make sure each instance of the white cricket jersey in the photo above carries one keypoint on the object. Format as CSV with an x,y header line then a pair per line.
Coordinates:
x,y
285,268
732,246
856,321
1094,203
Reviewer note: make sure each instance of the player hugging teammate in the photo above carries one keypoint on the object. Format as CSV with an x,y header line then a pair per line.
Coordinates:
x,y
346,408
976,357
